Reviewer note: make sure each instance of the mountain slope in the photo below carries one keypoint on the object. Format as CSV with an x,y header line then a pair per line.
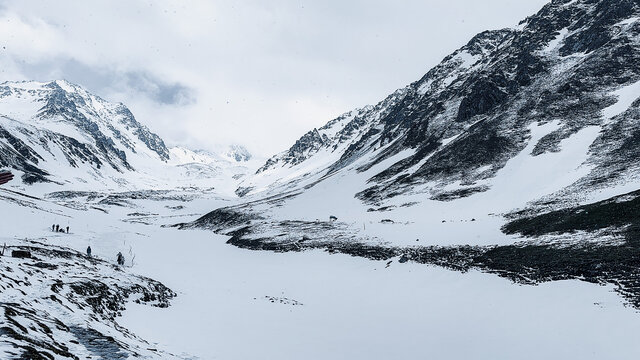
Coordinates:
x,y
47,127
460,124
59,134
456,168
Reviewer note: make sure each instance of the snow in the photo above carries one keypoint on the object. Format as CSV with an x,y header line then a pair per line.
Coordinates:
x,y
473,220
521,179
630,183
350,307
463,61
446,141
424,87
449,79
335,306
222,156
18,111
332,128
65,85
628,21
466,59
625,97
334,195
553,44
305,172
517,183
240,304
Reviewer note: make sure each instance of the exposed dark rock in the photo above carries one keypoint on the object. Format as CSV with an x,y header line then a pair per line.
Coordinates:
x,y
484,95
23,254
457,194
60,283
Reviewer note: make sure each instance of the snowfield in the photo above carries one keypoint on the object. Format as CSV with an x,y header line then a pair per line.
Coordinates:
x,y
353,308
234,303
489,210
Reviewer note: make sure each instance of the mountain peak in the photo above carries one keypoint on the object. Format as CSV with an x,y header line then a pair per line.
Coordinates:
x,y
87,129
469,115
239,153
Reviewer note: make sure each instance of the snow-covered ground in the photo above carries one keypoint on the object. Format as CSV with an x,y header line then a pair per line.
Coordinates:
x,y
414,219
241,304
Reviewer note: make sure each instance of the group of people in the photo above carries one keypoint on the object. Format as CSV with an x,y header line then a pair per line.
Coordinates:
x,y
58,228
119,257
6,176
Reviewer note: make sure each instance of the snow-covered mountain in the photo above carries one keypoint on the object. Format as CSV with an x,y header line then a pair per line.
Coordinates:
x,y
222,168
514,158
521,139
58,133
565,79
560,88
47,126
234,154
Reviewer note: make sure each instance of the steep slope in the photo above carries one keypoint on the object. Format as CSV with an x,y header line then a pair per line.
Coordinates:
x,y
458,167
453,130
48,127
58,134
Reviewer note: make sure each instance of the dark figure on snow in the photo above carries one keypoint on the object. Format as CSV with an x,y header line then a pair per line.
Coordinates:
x,y
120,259
89,251
53,227
5,176
67,229
57,228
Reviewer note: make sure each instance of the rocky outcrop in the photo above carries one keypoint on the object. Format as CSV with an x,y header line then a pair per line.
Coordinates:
x,y
62,304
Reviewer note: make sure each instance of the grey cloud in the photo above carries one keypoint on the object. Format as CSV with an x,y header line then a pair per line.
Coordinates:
x,y
102,80
252,72
158,90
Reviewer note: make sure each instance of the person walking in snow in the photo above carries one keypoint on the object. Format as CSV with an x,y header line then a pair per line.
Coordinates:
x,y
57,228
120,259
5,176
53,227
89,251
67,229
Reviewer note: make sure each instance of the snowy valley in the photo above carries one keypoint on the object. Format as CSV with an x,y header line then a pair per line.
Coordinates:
x,y
486,210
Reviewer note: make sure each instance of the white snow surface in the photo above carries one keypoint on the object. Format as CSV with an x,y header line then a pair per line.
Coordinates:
x,y
416,220
326,306
553,44
626,95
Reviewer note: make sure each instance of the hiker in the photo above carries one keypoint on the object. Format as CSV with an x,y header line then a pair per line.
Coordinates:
x,y
5,176
120,259
57,228
89,251
67,229
53,227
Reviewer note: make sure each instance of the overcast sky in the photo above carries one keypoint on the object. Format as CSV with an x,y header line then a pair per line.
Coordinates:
x,y
257,73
